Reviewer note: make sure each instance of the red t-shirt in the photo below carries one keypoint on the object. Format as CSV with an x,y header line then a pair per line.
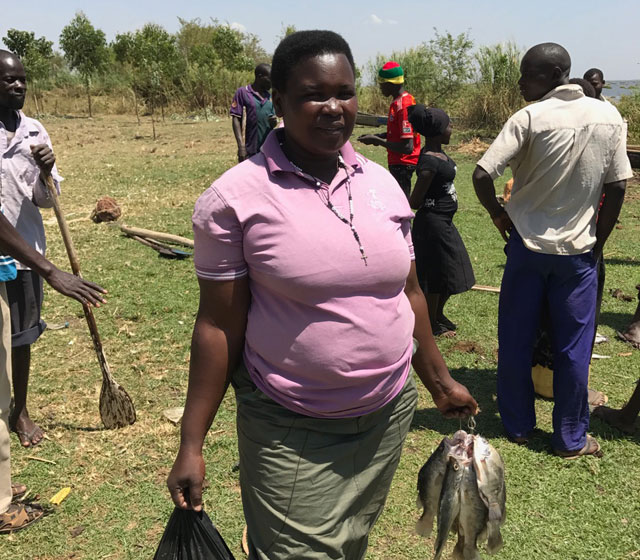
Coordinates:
x,y
399,128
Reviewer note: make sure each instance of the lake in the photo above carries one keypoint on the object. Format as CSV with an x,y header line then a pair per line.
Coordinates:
x,y
617,88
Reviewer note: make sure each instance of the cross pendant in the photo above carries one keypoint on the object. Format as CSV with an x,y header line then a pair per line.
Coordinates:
x,y
364,258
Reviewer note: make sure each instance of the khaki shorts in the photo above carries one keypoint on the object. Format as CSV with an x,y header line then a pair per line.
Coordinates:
x,y
313,488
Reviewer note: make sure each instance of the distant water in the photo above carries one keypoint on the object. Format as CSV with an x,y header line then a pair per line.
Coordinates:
x,y
615,89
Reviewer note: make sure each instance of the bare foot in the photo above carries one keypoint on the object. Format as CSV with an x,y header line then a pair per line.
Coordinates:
x,y
29,433
597,398
614,418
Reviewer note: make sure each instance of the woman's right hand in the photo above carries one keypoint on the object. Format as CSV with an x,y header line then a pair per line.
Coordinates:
x,y
186,479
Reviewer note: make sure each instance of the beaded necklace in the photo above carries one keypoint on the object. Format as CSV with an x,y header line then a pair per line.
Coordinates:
x,y
330,206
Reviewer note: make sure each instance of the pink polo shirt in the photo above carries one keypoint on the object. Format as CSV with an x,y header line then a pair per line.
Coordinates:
x,y
327,335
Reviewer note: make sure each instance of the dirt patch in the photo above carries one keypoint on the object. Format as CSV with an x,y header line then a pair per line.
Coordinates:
x,y
467,347
475,147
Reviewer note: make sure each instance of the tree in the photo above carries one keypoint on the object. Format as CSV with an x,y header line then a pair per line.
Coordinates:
x,y
36,56
153,56
452,56
85,49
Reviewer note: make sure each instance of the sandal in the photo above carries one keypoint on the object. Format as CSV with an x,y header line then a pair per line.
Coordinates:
x,y
440,330
19,516
17,490
448,323
518,440
622,336
591,447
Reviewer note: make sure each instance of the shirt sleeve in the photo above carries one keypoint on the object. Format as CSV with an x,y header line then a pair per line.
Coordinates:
x,y
237,104
507,145
620,168
406,231
406,130
218,240
41,196
428,163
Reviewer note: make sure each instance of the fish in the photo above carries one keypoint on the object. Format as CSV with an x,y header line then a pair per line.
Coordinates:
x,y
472,520
430,480
449,503
463,483
489,469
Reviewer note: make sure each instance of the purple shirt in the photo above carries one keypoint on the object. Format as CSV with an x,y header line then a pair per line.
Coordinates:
x,y
326,335
21,191
258,110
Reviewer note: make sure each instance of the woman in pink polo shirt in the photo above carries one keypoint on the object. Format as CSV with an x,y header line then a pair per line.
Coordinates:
x,y
309,306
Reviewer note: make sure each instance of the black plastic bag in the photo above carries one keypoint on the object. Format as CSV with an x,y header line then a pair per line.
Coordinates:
x,y
190,535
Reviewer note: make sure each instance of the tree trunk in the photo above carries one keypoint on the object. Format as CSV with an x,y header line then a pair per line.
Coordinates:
x,y
135,104
35,100
204,106
153,122
88,86
162,111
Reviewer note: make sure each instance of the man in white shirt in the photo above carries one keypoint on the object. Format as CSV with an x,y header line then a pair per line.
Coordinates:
x,y
565,152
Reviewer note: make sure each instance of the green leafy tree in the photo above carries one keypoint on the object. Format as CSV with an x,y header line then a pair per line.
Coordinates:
x,y
85,49
218,60
152,55
36,56
453,60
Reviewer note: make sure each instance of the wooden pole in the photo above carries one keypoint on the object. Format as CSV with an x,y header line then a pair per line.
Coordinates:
x,y
160,236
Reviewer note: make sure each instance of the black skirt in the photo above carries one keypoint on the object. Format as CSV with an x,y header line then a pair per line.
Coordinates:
x,y
442,261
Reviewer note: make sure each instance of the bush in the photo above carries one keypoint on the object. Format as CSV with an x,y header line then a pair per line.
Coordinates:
x,y
629,107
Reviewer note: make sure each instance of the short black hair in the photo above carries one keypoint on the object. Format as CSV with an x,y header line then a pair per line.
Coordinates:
x,y
587,88
303,45
593,71
262,69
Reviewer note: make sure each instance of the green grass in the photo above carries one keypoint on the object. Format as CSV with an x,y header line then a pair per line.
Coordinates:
x,y
119,504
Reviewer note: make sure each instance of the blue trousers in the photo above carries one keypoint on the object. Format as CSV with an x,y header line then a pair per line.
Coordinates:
x,y
566,285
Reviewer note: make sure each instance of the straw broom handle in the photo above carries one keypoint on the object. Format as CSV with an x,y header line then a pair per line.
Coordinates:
x,y
75,267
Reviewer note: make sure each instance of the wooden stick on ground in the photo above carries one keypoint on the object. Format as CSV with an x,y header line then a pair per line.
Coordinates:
x,y
481,288
160,236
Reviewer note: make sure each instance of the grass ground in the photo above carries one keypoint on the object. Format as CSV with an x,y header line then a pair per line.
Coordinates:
x,y
119,505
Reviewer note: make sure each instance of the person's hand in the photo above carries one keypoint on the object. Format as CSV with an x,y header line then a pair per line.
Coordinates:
x,y
44,157
75,287
273,121
504,224
242,154
186,479
456,402
369,139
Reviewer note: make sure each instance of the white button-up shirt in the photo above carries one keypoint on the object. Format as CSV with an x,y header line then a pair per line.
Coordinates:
x,y
561,151
21,190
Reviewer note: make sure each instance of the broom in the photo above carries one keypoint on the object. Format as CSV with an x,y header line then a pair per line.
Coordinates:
x,y
116,407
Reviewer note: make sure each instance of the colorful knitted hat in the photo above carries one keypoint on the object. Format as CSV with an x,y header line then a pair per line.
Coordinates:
x,y
391,72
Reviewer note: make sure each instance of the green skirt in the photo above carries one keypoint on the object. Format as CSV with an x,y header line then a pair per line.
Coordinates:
x,y
312,488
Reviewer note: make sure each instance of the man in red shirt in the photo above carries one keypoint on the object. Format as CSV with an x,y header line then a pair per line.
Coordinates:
x,y
402,143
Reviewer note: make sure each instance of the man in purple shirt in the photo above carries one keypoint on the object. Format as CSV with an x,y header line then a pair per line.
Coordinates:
x,y
26,159
253,100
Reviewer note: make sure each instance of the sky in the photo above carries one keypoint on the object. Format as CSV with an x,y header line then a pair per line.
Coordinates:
x,y
597,33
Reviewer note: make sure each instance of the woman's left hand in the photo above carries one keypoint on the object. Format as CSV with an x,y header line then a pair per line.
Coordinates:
x,y
456,402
